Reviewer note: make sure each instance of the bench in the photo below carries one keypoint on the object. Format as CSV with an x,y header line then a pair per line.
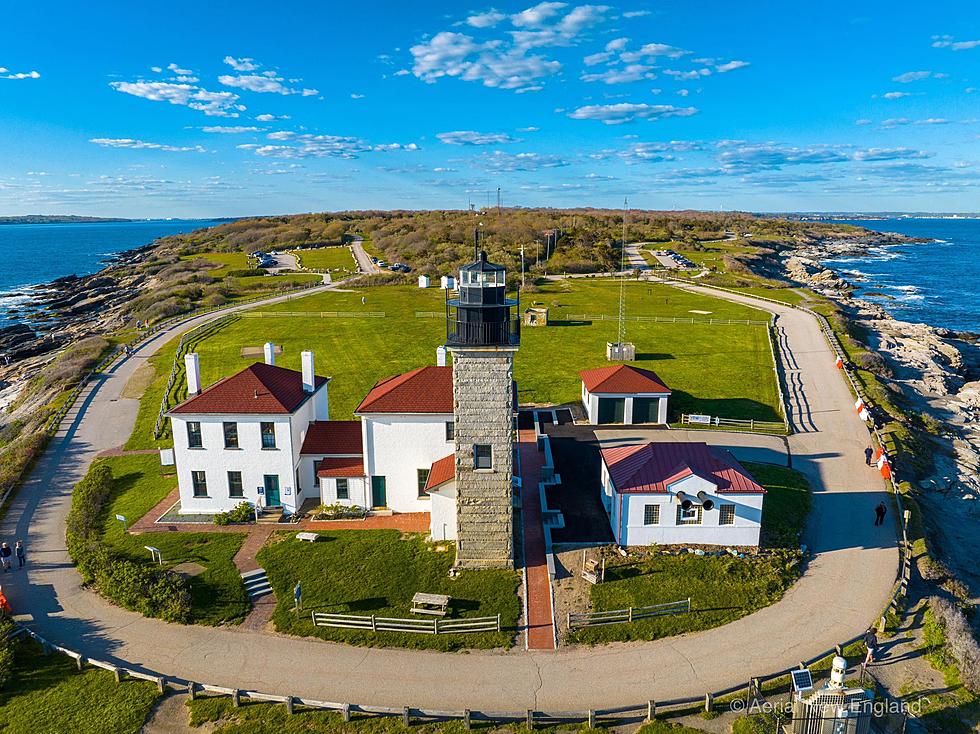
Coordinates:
x,y
311,537
435,604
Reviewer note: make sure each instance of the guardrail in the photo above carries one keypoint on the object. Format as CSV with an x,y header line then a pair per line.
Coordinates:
x,y
374,623
577,620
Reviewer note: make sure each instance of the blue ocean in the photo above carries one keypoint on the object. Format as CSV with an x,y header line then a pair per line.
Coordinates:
x,y
935,283
39,253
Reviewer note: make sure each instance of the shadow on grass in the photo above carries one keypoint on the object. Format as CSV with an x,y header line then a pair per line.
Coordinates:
x,y
740,408
652,356
569,323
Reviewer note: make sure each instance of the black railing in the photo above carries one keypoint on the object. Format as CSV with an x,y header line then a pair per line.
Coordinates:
x,y
483,333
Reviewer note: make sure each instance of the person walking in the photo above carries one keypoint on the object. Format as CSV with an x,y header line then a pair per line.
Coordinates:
x,y
21,553
880,511
868,453
870,642
5,554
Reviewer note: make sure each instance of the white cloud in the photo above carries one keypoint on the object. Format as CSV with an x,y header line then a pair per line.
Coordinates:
x,y
502,162
270,118
862,121
485,20
950,43
536,16
356,96
265,83
471,137
530,129
243,64
617,114
308,145
635,13
230,129
652,51
731,66
622,75
896,95
6,73
458,55
218,104
683,92
144,145
177,70
914,76
688,75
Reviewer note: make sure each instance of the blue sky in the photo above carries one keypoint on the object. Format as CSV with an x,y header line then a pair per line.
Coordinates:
x,y
228,109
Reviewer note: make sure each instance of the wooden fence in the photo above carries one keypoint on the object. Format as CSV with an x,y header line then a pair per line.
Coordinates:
x,y
374,623
577,620
315,314
736,424
659,319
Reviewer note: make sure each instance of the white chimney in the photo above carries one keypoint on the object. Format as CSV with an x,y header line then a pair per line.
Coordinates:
x,y
270,353
192,365
309,376
440,356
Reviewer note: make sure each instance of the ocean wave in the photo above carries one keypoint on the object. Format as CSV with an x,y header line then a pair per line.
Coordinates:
x,y
905,288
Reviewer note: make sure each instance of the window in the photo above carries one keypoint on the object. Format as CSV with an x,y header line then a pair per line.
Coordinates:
x,y
450,430
194,440
316,470
482,456
268,435
343,491
231,435
651,514
423,479
689,517
235,486
726,515
200,483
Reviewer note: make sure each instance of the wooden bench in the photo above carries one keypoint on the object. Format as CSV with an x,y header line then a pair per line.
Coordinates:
x,y
311,537
434,604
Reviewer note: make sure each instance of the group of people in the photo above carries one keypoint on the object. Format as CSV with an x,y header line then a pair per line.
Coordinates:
x,y
6,553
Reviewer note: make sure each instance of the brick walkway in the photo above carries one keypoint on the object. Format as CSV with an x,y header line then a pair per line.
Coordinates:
x,y
540,617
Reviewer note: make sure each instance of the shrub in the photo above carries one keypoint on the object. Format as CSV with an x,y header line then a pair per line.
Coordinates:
x,y
243,512
874,363
74,362
249,273
339,512
6,650
959,640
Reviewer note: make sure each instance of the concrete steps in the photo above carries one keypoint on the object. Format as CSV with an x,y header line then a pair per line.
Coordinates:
x,y
256,584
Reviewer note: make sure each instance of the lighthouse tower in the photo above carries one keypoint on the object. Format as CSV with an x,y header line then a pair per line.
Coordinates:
x,y
483,338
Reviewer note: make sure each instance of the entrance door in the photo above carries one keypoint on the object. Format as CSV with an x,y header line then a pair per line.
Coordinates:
x,y
646,410
379,493
272,491
612,410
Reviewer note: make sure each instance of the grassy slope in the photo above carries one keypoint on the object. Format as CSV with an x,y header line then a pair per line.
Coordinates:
x,y
327,258
350,572
48,694
721,589
718,369
217,594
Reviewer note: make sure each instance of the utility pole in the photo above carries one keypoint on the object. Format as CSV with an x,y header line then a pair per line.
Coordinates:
x,y
622,280
498,200
522,266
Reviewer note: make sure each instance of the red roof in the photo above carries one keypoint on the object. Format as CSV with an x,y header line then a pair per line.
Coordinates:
x,y
424,390
333,437
258,389
651,468
441,472
623,378
344,467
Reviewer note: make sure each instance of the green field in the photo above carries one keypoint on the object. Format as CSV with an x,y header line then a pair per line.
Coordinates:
x,y
327,258
217,594
723,370
227,261
721,588
377,572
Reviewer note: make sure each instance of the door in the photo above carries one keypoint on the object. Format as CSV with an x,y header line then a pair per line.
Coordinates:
x,y
272,491
379,494
612,410
646,410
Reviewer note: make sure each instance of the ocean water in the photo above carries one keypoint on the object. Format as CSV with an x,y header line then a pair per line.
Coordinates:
x,y
31,254
936,283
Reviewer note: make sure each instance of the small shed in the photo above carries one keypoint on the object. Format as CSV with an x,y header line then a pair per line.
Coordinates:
x,y
447,283
423,281
536,316
624,394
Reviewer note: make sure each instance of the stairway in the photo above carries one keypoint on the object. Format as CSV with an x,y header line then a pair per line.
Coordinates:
x,y
256,584
269,515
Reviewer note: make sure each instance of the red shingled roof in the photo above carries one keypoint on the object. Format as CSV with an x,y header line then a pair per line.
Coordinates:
x,y
651,468
346,467
622,378
258,389
333,437
441,472
424,390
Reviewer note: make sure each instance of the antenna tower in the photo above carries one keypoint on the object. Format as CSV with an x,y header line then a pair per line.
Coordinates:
x,y
621,337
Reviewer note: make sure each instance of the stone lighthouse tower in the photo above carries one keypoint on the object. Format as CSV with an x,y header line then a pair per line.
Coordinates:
x,y
483,338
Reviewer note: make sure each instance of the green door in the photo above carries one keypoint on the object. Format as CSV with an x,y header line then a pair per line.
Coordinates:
x,y
612,410
646,410
272,491
379,494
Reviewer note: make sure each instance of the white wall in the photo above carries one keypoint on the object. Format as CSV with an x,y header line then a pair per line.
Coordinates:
x,y
442,521
358,492
396,446
591,403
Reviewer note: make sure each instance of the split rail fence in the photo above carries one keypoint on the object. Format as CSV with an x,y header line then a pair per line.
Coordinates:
x,y
752,426
420,626
577,620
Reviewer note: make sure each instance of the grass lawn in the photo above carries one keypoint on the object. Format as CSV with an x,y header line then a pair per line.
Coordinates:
x,y
217,594
791,296
723,370
327,258
721,588
49,694
227,260
377,572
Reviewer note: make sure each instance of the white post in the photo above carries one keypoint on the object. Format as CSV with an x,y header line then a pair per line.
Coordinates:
x,y
309,378
270,353
192,366
441,356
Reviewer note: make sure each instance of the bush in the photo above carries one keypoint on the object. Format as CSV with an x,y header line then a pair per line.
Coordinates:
x,y
6,651
243,512
339,512
874,363
249,273
960,642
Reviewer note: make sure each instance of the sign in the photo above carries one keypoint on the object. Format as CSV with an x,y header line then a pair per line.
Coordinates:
x,y
260,490
167,457
298,592
700,419
121,518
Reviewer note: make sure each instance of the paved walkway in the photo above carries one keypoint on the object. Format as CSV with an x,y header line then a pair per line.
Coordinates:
x,y
539,613
845,586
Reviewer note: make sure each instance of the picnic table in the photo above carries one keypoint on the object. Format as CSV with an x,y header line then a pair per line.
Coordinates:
x,y
434,604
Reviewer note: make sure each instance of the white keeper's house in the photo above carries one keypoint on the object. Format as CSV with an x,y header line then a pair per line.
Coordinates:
x,y
679,493
624,394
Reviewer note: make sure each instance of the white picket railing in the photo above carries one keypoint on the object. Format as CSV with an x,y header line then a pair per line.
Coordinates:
x,y
373,623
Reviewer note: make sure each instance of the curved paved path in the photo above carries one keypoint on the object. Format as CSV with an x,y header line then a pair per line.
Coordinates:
x,y
845,586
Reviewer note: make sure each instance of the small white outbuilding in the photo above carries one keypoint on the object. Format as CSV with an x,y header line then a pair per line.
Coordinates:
x,y
423,281
624,394
447,282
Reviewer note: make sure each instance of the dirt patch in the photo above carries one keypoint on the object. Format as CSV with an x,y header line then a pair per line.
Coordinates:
x,y
572,592
139,381
171,716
